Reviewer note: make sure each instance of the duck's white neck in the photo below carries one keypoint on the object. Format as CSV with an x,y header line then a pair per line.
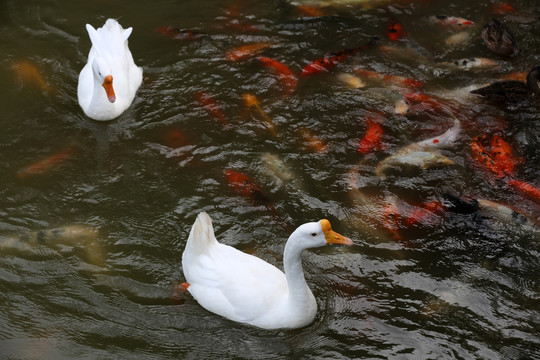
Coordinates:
x,y
299,292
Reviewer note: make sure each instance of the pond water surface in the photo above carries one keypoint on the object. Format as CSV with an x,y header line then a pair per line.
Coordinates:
x,y
91,239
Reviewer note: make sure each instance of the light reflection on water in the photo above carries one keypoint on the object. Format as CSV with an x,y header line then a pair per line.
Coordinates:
x,y
463,288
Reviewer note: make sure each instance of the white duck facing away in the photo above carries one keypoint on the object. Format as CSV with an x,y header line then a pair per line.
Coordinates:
x,y
246,289
110,79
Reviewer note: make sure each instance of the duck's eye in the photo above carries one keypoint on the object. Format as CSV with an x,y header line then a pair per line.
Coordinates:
x,y
314,234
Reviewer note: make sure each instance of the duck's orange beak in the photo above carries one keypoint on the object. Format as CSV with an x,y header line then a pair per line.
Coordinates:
x,y
333,237
107,85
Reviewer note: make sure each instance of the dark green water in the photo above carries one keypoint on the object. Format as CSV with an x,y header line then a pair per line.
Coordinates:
x,y
464,286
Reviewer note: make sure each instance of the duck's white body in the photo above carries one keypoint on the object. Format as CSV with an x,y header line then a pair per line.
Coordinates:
x,y
102,97
244,288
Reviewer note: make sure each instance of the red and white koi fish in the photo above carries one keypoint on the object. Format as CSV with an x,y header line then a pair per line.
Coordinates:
x,y
423,154
453,21
246,51
46,165
372,139
392,79
285,75
179,34
328,62
244,186
210,104
425,214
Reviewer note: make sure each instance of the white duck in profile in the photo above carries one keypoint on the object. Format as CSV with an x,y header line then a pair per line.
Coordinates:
x,y
110,79
246,289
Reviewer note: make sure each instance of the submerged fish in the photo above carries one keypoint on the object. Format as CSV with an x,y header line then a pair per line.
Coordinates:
x,y
350,80
252,102
46,165
497,158
179,34
245,51
526,189
390,79
209,103
28,73
285,75
244,186
423,154
473,63
274,166
310,141
371,141
453,21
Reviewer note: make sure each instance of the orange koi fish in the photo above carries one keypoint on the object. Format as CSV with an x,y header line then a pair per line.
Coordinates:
x,y
285,75
252,101
502,9
425,213
503,154
395,30
245,51
209,103
27,72
393,79
526,189
310,11
484,158
243,185
424,100
498,160
46,165
372,139
451,21
179,34
310,141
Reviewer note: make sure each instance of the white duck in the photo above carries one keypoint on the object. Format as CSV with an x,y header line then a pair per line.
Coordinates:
x,y
246,289
108,82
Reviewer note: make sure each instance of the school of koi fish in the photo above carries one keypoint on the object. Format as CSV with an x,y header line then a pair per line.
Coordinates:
x,y
412,139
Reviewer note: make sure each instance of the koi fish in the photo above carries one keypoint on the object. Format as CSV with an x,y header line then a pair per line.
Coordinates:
x,y
352,81
423,154
423,101
372,139
286,77
498,160
424,213
401,107
244,186
252,102
502,8
451,21
395,30
179,34
245,51
46,165
459,38
28,73
526,189
473,63
508,217
328,62
279,170
392,79
310,11
209,103
310,141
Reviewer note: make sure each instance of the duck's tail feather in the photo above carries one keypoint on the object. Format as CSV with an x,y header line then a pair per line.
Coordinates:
x,y
201,236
